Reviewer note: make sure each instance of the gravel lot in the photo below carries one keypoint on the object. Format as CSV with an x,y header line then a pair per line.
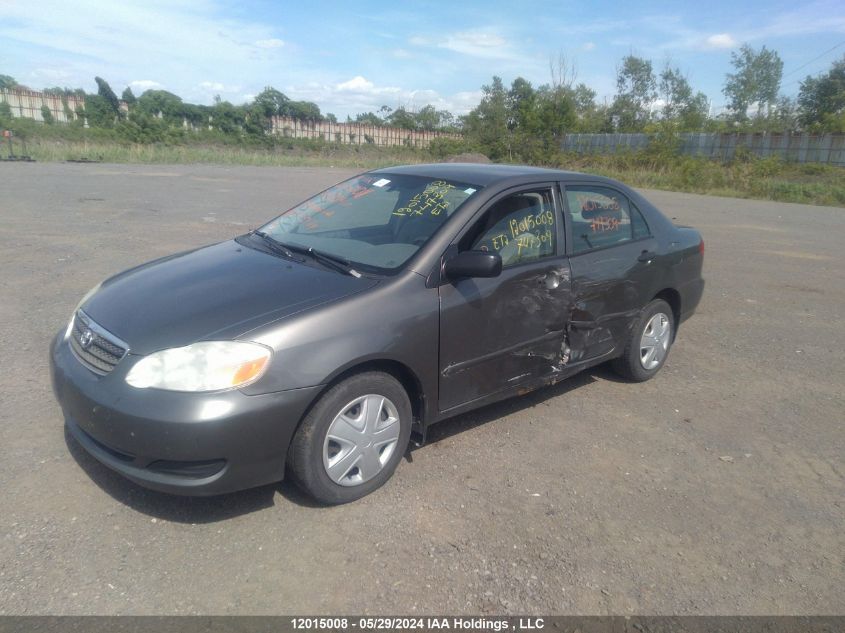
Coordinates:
x,y
716,488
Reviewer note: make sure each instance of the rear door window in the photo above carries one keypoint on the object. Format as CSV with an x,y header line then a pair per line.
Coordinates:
x,y
601,217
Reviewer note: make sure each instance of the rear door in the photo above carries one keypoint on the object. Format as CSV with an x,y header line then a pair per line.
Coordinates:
x,y
498,333
611,254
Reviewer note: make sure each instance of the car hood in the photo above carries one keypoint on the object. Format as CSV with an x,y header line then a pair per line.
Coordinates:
x,y
216,292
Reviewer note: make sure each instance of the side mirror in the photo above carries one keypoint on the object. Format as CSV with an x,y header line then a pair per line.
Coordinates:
x,y
473,264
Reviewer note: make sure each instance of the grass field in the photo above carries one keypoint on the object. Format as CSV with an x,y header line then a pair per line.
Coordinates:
x,y
747,177
112,152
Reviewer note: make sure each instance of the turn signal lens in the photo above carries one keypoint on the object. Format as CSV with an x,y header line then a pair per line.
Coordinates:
x,y
249,371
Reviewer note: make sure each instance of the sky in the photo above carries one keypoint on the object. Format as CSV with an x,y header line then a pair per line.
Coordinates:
x,y
355,57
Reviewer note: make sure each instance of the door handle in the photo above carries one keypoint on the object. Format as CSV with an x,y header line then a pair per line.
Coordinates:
x,y
645,256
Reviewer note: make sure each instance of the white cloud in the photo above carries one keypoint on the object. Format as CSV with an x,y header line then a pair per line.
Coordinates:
x,y
51,74
356,84
400,53
272,42
417,40
123,40
362,95
588,46
477,44
216,86
720,40
140,85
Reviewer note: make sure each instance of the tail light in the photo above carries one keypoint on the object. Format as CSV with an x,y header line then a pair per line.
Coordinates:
x,y
701,247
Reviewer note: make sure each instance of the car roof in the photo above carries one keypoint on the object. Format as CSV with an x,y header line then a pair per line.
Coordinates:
x,y
484,174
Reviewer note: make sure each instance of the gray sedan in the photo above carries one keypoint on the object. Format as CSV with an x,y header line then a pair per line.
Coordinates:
x,y
318,344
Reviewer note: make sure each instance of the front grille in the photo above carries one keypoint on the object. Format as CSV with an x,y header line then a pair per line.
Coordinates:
x,y
95,347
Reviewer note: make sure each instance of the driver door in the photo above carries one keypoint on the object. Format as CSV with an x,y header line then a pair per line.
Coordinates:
x,y
498,333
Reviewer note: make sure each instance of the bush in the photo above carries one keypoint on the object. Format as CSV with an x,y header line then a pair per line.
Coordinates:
x,y
443,147
766,167
46,115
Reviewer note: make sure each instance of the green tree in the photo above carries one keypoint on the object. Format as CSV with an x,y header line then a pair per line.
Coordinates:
x,y
367,118
402,118
636,90
821,100
128,96
556,113
107,94
522,104
98,112
427,118
270,102
487,124
227,118
46,115
304,111
161,104
680,105
7,82
589,116
785,116
56,91
756,80
448,121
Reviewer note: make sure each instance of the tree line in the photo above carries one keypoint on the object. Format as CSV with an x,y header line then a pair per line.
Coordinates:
x,y
527,122
520,121
159,115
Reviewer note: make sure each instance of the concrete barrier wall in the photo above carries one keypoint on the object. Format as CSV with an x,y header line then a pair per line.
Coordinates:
x,y
355,133
27,104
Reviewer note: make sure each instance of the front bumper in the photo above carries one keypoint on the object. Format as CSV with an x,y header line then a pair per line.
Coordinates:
x,y
181,443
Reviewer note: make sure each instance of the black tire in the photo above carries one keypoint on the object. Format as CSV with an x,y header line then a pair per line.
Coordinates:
x,y
629,364
305,455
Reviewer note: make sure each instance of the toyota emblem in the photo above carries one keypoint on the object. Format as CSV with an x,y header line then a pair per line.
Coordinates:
x,y
86,338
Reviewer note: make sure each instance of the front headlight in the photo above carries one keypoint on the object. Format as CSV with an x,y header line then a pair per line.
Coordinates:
x,y
206,366
85,298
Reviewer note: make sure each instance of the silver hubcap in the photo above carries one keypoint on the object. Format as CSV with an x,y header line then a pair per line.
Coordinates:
x,y
361,440
654,344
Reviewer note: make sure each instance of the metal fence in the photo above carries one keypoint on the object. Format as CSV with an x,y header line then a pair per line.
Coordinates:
x,y
801,148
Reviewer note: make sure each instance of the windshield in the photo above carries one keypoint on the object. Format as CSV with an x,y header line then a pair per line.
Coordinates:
x,y
374,221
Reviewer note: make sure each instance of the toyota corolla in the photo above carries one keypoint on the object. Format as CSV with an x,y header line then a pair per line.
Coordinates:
x,y
319,343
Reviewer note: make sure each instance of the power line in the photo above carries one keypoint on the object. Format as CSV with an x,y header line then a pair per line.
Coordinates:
x,y
833,48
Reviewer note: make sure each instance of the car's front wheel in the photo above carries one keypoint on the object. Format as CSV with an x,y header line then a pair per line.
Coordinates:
x,y
648,344
353,438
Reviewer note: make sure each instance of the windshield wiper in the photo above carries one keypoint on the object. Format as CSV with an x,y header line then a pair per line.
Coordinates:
x,y
332,261
276,246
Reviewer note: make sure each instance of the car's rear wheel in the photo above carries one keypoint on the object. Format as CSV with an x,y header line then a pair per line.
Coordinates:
x,y
353,438
648,344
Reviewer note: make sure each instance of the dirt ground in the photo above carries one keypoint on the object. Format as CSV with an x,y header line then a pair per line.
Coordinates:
x,y
716,488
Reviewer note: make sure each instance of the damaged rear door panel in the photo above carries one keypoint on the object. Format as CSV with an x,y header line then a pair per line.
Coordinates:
x,y
612,257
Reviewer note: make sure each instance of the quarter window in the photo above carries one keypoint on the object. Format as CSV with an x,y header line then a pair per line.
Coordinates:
x,y
602,217
520,228
638,223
